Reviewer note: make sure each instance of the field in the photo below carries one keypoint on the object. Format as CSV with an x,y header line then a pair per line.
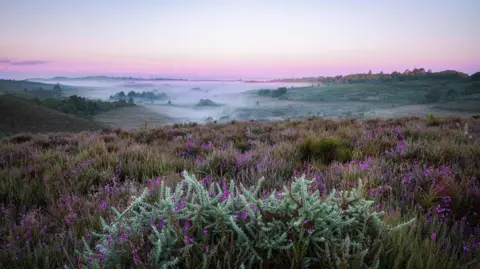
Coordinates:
x,y
55,189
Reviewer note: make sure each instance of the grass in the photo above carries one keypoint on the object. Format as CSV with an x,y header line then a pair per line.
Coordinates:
x,y
55,187
451,94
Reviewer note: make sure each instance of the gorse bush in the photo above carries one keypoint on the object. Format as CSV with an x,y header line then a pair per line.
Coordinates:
x,y
325,150
432,121
212,226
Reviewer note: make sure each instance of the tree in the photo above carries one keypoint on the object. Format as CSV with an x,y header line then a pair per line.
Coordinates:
x,y
130,100
475,77
57,90
121,95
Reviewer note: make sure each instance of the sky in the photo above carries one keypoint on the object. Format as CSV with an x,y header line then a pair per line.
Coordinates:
x,y
236,39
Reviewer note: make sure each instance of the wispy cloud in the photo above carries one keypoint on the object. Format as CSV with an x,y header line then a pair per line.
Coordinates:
x,y
31,62
4,61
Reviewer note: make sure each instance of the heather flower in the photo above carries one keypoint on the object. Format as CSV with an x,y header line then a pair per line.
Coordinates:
x,y
103,206
180,205
243,215
187,240
43,229
433,236
124,236
136,259
186,226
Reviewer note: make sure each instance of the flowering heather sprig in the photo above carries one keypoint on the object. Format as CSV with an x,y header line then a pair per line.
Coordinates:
x,y
207,145
243,159
153,183
433,236
103,206
81,165
380,191
136,259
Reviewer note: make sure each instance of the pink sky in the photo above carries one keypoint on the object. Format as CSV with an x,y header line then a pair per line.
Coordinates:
x,y
245,39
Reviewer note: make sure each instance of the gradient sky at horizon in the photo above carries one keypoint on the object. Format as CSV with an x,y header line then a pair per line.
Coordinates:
x,y
236,39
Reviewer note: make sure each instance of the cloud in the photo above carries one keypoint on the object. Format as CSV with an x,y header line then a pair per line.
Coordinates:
x,y
31,62
4,61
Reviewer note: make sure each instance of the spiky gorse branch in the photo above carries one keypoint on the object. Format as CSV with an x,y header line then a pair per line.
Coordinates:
x,y
220,226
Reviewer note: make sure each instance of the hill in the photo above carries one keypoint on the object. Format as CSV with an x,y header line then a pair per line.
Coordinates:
x,y
21,115
407,75
33,90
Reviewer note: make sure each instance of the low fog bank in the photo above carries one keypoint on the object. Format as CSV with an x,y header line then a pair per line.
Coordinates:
x,y
197,101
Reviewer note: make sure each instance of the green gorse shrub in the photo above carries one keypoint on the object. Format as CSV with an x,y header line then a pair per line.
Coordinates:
x,y
197,225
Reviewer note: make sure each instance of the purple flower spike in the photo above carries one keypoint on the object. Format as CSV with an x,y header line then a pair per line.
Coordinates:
x,y
433,237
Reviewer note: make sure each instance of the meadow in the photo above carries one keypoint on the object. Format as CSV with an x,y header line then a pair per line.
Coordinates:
x,y
179,196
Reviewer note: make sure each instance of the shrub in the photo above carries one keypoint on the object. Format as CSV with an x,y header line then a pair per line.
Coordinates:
x,y
432,121
232,226
243,146
325,150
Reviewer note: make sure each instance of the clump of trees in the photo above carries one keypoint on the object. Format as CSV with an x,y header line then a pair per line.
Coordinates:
x,y
273,93
475,77
83,107
407,75
206,102
145,95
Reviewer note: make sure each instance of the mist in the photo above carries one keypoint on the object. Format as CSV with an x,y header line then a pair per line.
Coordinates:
x,y
230,98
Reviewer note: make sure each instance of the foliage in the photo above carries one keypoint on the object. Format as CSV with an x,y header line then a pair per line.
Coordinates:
x,y
83,107
145,95
407,75
206,102
432,121
198,225
475,76
273,93
325,150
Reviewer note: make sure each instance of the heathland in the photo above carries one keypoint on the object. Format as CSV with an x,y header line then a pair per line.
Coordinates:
x,y
56,189
320,176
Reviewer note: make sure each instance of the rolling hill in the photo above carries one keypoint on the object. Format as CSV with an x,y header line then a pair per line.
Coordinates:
x,y
21,115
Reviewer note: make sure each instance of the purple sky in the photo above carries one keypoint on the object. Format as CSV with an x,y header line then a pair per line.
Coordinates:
x,y
236,39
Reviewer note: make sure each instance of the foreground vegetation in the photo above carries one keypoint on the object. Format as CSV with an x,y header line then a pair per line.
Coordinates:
x,y
55,189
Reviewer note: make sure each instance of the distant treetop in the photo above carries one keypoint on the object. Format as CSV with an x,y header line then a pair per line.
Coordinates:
x,y
415,74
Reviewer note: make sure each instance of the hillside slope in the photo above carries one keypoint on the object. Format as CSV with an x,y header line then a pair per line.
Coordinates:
x,y
20,115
